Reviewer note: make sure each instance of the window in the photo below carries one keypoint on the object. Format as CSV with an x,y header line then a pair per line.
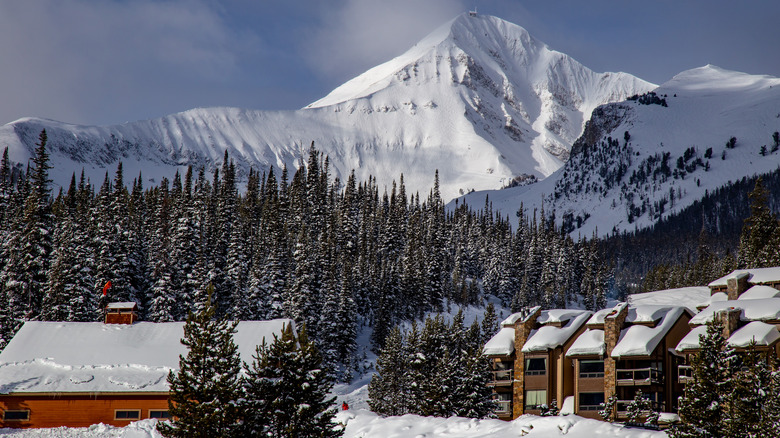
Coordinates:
x,y
128,414
22,415
535,399
591,368
590,401
161,414
535,366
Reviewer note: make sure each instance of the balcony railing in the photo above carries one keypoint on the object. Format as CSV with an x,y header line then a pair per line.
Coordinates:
x,y
503,407
684,373
501,378
638,376
622,405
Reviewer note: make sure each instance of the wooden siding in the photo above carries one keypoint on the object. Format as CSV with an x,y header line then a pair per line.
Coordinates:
x,y
54,410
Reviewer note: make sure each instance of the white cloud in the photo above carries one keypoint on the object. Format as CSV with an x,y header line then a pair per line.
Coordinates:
x,y
355,35
73,59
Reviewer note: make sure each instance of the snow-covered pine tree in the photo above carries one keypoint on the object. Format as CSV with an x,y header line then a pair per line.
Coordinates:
x,y
757,245
387,392
287,391
701,407
205,391
28,248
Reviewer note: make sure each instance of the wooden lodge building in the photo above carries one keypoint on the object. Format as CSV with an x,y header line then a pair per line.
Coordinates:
x,y
578,359
77,374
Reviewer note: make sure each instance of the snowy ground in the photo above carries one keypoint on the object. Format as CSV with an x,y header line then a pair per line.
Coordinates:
x,y
364,424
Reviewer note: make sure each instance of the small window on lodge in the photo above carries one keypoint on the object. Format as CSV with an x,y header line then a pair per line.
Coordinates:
x,y
16,415
535,366
130,414
535,399
591,368
162,414
591,401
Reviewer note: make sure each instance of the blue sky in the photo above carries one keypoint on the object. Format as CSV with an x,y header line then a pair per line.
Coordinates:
x,y
111,61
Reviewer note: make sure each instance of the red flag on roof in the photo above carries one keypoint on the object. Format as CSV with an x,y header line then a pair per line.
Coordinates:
x,y
106,288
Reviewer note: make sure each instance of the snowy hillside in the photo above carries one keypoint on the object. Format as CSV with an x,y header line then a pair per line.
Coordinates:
x,y
479,99
679,146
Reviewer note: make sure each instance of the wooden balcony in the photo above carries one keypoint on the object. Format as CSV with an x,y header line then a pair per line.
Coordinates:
x,y
503,407
684,373
621,407
501,378
639,377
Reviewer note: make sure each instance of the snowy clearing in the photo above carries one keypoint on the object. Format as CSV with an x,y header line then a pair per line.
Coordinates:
x,y
364,424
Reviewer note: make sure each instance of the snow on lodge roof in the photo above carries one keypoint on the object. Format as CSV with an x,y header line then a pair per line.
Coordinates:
x,y
761,333
690,297
766,309
641,340
558,325
549,337
755,276
589,343
52,357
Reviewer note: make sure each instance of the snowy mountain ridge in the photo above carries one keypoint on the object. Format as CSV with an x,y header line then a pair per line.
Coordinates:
x,y
479,99
648,157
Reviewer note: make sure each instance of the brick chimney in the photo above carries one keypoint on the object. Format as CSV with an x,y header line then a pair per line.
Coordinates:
x,y
523,327
729,317
613,324
736,285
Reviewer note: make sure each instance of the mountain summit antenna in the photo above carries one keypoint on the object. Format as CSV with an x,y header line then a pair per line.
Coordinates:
x,y
474,12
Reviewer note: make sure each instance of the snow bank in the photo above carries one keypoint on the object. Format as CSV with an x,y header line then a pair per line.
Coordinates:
x,y
365,424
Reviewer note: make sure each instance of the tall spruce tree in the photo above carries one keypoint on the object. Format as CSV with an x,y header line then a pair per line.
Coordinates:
x,y
205,391
287,391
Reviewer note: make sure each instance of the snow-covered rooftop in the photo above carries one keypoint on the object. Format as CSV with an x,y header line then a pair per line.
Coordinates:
x,y
122,305
641,340
690,297
755,276
691,340
766,309
762,333
598,317
97,357
502,343
758,292
513,318
548,337
590,342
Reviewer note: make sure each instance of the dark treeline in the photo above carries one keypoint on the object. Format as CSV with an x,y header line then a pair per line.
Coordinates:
x,y
696,245
328,254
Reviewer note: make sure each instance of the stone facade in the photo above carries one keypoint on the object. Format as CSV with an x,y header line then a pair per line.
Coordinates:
x,y
613,323
737,285
523,329
730,320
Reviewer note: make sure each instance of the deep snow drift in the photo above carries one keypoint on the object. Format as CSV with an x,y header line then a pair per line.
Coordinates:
x,y
365,424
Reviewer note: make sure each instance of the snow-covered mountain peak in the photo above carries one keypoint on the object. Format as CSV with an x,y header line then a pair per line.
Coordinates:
x,y
479,99
711,78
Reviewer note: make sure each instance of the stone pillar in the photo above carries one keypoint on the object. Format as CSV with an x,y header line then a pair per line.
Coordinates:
x,y
523,329
613,323
736,285
730,319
